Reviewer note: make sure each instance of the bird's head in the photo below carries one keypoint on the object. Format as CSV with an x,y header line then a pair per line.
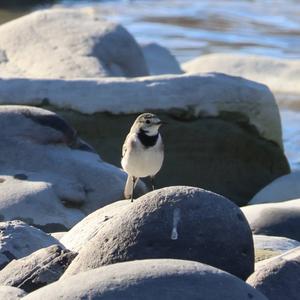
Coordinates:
x,y
147,122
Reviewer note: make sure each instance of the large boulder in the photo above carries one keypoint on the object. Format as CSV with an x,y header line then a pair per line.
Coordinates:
x,y
52,178
277,219
281,189
279,278
17,240
175,222
150,279
160,60
224,123
11,293
76,43
280,75
37,269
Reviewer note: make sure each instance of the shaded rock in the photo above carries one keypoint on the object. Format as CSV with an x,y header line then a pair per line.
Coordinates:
x,y
18,240
174,222
281,189
280,75
52,178
279,278
11,293
38,269
76,42
277,219
150,279
160,60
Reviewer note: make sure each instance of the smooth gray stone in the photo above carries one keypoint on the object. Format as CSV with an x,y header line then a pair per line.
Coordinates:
x,y
160,60
162,279
17,240
277,219
279,278
174,222
37,269
68,43
51,178
11,293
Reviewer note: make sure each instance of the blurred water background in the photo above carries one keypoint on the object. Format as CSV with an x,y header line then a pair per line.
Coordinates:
x,y
193,28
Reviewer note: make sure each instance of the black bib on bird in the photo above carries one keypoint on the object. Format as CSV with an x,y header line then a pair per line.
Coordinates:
x,y
147,140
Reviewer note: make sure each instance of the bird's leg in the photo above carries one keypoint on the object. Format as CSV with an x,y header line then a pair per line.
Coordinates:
x,y
152,183
133,185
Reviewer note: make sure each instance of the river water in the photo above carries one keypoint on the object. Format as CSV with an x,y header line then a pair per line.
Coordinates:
x,y
193,28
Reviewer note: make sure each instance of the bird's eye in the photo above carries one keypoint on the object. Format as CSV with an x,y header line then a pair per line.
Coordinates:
x,y
148,121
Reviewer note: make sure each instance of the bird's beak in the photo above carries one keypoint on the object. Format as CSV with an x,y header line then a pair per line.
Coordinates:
x,y
160,123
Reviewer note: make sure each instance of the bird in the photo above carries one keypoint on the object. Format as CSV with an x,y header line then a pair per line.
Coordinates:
x,y
142,151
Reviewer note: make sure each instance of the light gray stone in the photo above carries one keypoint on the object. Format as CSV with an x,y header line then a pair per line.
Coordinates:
x,y
76,43
52,178
279,277
175,222
280,75
276,219
281,189
37,269
160,60
17,240
150,279
11,293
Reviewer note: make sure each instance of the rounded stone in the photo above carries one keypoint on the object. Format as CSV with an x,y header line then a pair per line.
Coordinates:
x,y
175,222
279,278
162,279
276,219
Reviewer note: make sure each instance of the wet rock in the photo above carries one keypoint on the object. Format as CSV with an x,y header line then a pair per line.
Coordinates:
x,y
38,269
17,240
150,279
11,293
175,222
76,42
279,278
281,189
52,178
276,219
160,60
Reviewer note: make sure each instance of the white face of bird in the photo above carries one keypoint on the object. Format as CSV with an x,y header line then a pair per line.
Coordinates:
x,y
148,122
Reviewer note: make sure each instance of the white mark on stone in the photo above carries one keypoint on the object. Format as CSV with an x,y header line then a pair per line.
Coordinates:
x,y
176,219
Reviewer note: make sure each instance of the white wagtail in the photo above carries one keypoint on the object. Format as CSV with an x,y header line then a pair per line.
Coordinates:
x,y
142,152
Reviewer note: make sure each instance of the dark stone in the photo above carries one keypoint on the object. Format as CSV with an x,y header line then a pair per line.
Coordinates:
x,y
21,176
160,279
199,151
279,279
210,229
38,269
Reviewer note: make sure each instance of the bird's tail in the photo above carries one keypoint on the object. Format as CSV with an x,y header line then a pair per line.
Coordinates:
x,y
128,186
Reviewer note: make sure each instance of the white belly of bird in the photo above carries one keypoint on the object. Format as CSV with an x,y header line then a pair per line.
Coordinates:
x,y
143,163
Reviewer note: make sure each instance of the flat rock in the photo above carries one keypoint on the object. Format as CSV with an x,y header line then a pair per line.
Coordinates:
x,y
175,222
150,279
279,278
281,189
52,178
223,122
76,42
37,269
160,60
11,293
17,240
276,219
280,75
